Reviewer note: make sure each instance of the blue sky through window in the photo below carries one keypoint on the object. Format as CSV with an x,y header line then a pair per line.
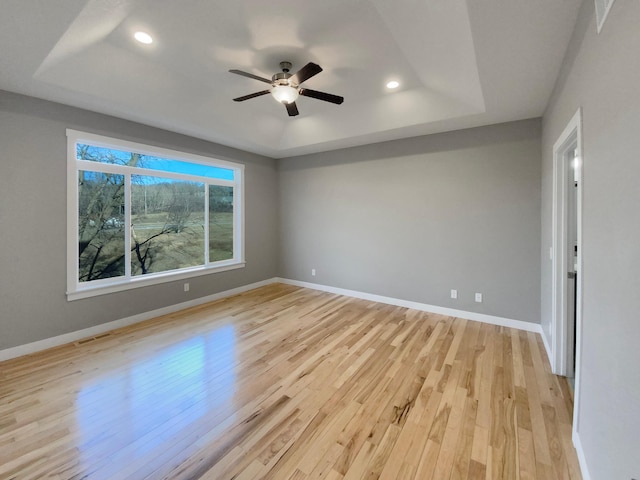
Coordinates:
x,y
119,157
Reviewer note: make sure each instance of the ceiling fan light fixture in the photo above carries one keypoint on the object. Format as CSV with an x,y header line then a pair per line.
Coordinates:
x,y
285,93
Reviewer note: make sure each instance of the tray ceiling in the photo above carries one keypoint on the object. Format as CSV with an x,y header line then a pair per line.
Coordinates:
x,y
459,63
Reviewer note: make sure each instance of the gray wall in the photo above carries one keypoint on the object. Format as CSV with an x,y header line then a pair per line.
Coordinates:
x,y
413,219
602,75
33,304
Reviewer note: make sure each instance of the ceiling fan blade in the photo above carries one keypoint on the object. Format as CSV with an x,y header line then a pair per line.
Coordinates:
x,y
251,95
250,75
292,109
327,97
305,73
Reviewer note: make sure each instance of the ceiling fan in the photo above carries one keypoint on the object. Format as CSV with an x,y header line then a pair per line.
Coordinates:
x,y
285,87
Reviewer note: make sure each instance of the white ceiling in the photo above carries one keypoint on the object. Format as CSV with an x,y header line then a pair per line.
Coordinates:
x,y
461,63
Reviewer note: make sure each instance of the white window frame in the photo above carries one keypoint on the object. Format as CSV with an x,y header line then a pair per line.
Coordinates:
x,y
77,290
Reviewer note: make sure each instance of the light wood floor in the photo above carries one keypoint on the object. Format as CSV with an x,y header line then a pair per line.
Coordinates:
x,y
289,383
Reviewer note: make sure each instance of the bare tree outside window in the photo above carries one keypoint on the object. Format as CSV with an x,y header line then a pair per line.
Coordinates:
x,y
167,231
100,226
101,215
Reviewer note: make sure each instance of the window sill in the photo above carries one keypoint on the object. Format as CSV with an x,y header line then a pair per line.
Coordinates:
x,y
148,280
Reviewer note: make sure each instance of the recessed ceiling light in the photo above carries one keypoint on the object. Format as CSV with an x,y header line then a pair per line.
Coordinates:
x,y
393,84
143,37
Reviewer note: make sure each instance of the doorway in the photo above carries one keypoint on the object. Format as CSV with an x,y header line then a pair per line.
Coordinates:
x,y
571,254
566,254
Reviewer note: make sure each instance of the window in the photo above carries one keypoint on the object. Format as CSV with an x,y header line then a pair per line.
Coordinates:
x,y
140,215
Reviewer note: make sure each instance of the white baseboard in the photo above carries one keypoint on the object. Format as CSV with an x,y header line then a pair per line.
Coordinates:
x,y
33,347
479,317
582,459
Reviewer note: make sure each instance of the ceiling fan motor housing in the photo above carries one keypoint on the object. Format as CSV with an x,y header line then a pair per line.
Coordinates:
x,y
282,79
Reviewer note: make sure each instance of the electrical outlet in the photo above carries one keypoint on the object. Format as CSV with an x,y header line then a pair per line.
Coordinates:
x,y
313,272
454,293
186,287
478,297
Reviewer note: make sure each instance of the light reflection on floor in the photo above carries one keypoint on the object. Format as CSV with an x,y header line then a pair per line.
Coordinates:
x,y
150,402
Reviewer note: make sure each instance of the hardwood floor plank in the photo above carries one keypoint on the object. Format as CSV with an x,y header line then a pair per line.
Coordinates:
x,y
526,455
462,453
540,441
284,382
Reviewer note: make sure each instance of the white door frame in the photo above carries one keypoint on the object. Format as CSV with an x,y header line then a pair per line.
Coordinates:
x,y
570,138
